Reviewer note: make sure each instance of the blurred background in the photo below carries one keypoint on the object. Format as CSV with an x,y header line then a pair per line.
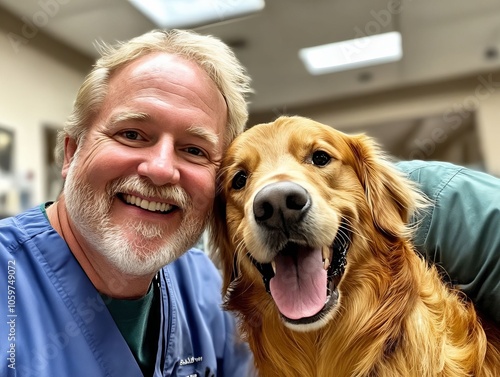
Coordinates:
x,y
431,90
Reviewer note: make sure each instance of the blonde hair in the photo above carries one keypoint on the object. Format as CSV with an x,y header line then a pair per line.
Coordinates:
x,y
208,52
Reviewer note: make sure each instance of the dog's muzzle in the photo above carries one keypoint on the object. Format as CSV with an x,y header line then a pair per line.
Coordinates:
x,y
281,209
337,266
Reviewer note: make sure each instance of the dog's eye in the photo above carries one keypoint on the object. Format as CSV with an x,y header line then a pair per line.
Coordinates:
x,y
239,180
321,158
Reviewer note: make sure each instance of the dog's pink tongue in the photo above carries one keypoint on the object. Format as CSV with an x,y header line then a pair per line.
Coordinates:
x,y
299,284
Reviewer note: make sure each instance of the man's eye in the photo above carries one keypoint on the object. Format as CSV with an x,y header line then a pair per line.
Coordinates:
x,y
195,151
131,135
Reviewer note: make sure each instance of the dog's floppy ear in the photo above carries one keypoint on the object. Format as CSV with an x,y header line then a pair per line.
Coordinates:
x,y
220,245
392,198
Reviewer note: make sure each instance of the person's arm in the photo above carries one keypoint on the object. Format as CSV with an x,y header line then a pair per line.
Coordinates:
x,y
461,230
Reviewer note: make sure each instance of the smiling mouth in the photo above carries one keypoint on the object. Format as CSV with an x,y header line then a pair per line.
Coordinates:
x,y
147,205
303,280
303,288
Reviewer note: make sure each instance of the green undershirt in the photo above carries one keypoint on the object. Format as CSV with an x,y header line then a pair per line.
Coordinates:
x,y
139,322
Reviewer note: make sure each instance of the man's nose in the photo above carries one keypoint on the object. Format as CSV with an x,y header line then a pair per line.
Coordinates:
x,y
160,164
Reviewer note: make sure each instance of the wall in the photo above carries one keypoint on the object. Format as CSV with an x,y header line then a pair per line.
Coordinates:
x,y
489,123
39,79
451,101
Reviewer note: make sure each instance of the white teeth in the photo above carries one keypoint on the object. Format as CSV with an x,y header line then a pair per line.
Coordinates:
x,y
326,257
273,264
145,204
325,251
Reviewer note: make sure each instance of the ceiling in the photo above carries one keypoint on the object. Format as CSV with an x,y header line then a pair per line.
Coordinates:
x,y
441,40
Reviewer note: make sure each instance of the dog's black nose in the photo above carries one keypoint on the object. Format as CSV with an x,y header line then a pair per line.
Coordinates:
x,y
280,204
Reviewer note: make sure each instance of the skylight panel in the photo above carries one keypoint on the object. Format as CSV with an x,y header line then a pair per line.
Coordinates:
x,y
354,53
170,14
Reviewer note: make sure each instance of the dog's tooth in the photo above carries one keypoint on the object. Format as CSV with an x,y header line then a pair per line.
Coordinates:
x,y
325,251
273,264
326,263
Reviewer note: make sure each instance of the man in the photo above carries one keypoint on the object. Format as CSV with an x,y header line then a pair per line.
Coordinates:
x,y
87,291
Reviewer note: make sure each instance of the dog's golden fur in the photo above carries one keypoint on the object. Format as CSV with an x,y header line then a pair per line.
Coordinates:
x,y
394,315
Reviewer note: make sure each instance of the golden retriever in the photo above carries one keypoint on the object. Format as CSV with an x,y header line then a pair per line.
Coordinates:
x,y
311,232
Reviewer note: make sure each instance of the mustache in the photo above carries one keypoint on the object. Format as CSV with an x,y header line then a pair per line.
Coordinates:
x,y
143,187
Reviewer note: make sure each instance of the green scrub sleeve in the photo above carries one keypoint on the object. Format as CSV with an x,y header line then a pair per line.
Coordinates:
x,y
461,230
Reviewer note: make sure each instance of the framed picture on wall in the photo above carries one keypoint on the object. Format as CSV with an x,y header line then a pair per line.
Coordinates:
x,y
6,150
54,180
7,182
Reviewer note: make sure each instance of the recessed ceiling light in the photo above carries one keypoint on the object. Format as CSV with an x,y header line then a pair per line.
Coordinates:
x,y
171,14
354,53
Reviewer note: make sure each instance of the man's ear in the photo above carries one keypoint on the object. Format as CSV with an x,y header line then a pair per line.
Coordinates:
x,y
70,147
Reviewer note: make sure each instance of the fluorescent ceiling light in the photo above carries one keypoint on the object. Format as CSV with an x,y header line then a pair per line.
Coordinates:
x,y
171,14
355,53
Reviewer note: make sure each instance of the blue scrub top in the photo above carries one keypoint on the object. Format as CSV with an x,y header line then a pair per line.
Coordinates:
x,y
54,322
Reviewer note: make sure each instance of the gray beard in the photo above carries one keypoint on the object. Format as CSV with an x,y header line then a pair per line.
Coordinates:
x,y
135,248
